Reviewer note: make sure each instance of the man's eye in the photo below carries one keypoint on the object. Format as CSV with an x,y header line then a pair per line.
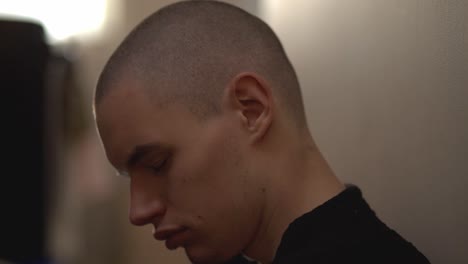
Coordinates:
x,y
158,166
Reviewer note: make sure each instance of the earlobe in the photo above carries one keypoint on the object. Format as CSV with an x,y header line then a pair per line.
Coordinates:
x,y
251,97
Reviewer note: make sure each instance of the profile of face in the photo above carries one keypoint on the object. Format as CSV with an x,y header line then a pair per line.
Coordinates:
x,y
193,180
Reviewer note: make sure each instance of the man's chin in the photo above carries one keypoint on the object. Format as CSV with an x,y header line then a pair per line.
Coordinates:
x,y
201,255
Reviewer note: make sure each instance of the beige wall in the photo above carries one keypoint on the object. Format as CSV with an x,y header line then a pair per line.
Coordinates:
x,y
385,85
386,91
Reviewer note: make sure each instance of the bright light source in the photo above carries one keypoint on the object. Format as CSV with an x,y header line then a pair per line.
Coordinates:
x,y
62,19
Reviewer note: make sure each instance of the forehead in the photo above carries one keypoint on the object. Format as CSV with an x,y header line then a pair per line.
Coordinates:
x,y
127,117
121,105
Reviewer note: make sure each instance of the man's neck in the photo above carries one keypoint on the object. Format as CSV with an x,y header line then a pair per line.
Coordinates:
x,y
303,183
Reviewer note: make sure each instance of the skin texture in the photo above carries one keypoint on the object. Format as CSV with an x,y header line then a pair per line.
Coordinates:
x,y
228,184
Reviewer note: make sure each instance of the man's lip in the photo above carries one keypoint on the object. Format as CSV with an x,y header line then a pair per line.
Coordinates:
x,y
177,239
166,232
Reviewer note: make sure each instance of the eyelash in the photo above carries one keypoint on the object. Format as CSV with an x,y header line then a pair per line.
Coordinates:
x,y
158,167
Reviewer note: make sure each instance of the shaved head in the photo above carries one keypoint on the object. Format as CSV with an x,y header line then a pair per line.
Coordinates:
x,y
189,51
200,107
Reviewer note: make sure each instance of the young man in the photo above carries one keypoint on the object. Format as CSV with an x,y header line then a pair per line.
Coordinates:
x,y
202,109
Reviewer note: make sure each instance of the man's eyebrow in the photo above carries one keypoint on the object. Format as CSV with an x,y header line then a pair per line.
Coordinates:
x,y
140,151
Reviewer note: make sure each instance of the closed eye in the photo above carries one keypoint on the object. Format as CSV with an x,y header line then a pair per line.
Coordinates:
x,y
159,166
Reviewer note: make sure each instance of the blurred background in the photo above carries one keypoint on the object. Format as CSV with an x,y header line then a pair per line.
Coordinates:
x,y
385,84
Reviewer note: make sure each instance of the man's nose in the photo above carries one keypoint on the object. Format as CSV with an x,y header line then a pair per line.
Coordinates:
x,y
146,205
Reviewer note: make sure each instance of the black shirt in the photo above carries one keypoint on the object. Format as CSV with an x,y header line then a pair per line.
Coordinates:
x,y
342,230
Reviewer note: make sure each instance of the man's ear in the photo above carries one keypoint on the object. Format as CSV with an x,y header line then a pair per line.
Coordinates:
x,y
250,96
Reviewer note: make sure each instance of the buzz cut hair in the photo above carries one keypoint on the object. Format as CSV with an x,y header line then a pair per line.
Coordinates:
x,y
189,51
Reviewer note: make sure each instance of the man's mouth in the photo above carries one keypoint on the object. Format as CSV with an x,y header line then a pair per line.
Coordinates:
x,y
174,236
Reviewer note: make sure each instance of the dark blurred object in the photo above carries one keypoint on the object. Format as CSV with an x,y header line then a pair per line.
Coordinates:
x,y
24,57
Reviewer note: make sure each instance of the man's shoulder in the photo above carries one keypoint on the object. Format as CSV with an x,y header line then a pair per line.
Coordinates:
x,y
344,230
379,251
